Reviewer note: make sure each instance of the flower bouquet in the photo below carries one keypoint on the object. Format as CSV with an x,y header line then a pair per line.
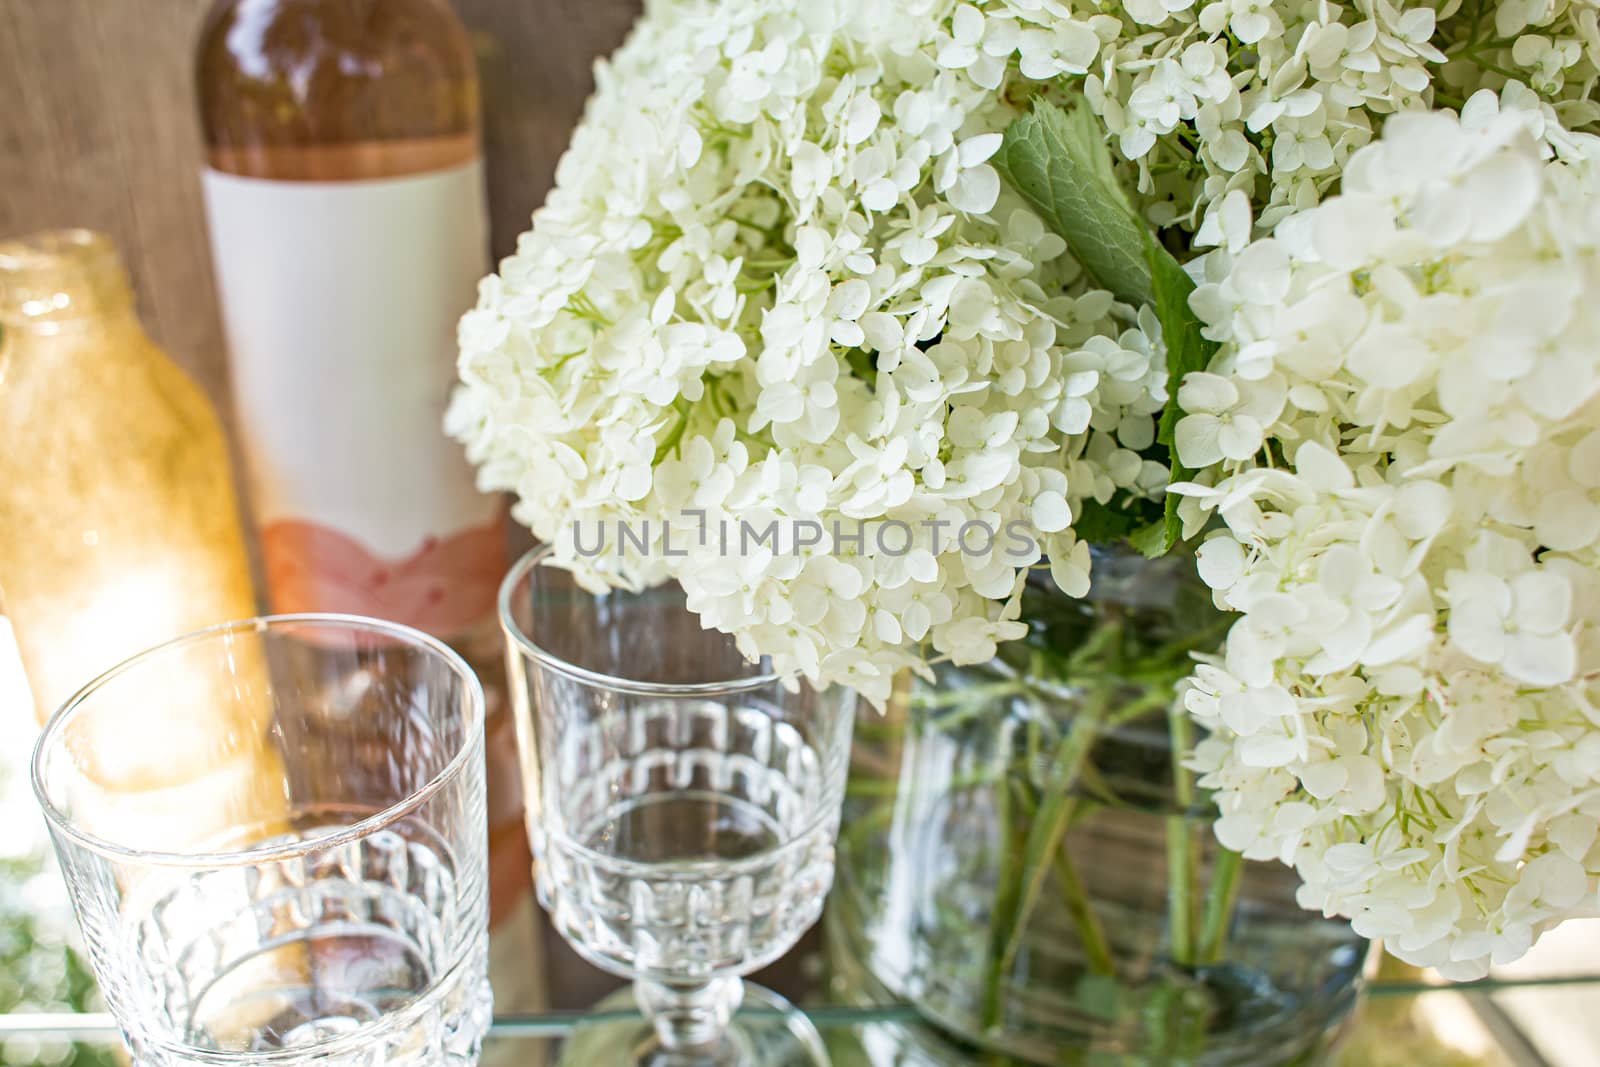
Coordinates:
x,y
851,315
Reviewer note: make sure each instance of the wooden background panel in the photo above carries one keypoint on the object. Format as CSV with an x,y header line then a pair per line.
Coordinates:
x,y
536,59
97,129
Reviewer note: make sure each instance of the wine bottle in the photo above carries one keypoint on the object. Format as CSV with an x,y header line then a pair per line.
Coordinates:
x,y
344,190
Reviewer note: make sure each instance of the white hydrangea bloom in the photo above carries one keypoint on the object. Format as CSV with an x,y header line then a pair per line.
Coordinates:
x,y
1408,710
778,280
1278,110
781,215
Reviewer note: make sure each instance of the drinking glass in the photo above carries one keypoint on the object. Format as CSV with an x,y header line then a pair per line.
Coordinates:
x,y
682,804
274,837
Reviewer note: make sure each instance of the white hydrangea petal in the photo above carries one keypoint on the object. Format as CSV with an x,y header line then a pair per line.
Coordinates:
x,y
1051,512
1323,780
976,190
1479,631
1541,601
1502,190
1207,393
1268,750
1540,659
1422,508
1239,437
978,149
1220,561
1322,468
1199,440
1567,520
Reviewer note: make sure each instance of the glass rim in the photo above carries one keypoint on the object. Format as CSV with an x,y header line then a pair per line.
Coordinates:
x,y
60,822
543,554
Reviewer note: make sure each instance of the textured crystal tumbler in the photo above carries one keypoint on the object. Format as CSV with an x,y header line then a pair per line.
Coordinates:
x,y
683,805
274,836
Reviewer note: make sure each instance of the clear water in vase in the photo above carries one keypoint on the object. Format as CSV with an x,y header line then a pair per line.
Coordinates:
x,y
1025,861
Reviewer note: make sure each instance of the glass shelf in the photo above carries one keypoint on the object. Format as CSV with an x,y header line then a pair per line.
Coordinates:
x,y
98,1026
1415,1023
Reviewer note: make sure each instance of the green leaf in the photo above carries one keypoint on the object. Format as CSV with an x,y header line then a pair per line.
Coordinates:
x,y
1188,350
864,365
1172,523
1058,161
1142,523
1100,524
1154,539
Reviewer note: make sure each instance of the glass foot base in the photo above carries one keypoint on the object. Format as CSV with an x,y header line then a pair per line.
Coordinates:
x,y
767,1031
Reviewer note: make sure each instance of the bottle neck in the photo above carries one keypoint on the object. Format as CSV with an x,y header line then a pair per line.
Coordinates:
x,y
61,281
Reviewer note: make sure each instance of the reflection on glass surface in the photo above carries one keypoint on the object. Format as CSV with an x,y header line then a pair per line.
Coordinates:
x,y
1403,1022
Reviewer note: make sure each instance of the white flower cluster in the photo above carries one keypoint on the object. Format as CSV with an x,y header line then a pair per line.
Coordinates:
x,y
1271,97
778,279
778,276
1403,433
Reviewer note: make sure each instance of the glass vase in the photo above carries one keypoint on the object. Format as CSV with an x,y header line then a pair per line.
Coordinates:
x,y
1026,859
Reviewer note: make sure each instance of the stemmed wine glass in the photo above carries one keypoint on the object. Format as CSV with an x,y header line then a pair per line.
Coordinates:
x,y
274,837
682,804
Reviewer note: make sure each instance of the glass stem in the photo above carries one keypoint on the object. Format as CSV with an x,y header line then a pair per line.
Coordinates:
x,y
689,1019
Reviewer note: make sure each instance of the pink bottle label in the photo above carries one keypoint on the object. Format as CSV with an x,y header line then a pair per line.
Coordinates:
x,y
442,588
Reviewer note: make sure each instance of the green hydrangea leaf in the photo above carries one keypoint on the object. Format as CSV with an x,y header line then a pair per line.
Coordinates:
x,y
1188,350
1059,163
1100,524
1155,539
1057,160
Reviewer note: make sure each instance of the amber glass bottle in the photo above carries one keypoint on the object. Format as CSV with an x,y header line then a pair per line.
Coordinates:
x,y
118,523
119,529
344,189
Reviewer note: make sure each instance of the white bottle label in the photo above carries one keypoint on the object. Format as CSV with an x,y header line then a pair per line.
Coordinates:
x,y
340,301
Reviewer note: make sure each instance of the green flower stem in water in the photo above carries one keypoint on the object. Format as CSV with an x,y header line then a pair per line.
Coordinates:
x,y
1075,898
1044,839
1183,874
1012,803
1093,726
1221,896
